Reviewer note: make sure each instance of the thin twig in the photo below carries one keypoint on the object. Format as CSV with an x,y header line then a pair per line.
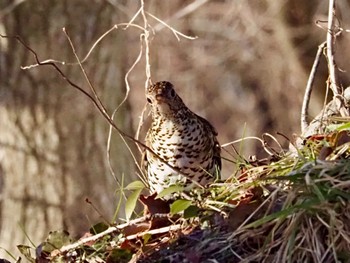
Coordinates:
x,y
116,26
268,148
144,38
309,86
97,98
99,107
157,231
126,79
140,124
334,85
175,32
116,229
190,8
110,230
330,49
146,35
243,139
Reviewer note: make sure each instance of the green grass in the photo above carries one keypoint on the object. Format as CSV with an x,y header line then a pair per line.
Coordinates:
x,y
292,209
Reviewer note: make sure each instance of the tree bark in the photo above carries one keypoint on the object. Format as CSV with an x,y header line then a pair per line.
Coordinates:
x,y
52,139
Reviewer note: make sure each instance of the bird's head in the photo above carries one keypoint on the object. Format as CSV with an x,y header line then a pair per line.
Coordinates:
x,y
163,98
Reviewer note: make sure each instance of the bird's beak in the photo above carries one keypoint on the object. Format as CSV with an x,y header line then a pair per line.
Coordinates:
x,y
160,96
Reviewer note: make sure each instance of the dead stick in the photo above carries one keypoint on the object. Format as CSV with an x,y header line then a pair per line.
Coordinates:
x,y
98,105
114,229
334,83
157,231
110,230
309,86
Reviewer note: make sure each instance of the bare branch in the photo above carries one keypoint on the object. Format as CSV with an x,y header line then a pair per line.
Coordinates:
x,y
146,40
190,8
110,230
97,98
334,85
266,147
99,107
117,26
126,79
330,49
309,86
175,32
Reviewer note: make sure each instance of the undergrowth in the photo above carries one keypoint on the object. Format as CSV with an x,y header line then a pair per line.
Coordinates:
x,y
291,208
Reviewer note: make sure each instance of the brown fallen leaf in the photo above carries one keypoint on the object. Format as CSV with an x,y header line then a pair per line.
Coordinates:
x,y
325,152
238,215
155,206
342,138
136,228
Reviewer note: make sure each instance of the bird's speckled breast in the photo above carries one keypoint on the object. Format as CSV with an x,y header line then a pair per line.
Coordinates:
x,y
181,143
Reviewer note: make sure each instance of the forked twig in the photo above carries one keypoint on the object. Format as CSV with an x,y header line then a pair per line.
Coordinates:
x,y
334,82
190,8
126,80
146,35
175,32
97,103
265,146
116,26
144,38
108,231
330,49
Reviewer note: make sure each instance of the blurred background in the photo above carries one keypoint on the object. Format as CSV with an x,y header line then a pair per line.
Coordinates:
x,y
246,73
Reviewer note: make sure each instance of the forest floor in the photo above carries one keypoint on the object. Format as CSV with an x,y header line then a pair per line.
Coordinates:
x,y
290,207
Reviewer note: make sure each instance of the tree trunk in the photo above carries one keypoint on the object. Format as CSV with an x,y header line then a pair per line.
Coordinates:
x,y
52,139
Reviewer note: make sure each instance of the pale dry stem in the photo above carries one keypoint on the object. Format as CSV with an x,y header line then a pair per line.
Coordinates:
x,y
144,39
267,148
334,81
309,86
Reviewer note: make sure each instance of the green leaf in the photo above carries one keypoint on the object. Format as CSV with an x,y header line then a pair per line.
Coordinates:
x,y
179,206
170,190
98,228
119,255
307,205
131,203
25,251
135,185
280,214
342,127
191,211
55,240
146,238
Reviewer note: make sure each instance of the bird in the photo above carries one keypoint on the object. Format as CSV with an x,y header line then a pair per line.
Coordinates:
x,y
184,147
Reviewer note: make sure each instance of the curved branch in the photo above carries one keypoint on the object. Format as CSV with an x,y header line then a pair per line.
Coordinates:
x,y
308,90
333,76
98,105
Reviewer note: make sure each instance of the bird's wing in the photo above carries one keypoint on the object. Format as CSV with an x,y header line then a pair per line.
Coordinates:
x,y
208,125
217,148
144,161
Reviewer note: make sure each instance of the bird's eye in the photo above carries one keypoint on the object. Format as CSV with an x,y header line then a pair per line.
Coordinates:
x,y
149,101
172,93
